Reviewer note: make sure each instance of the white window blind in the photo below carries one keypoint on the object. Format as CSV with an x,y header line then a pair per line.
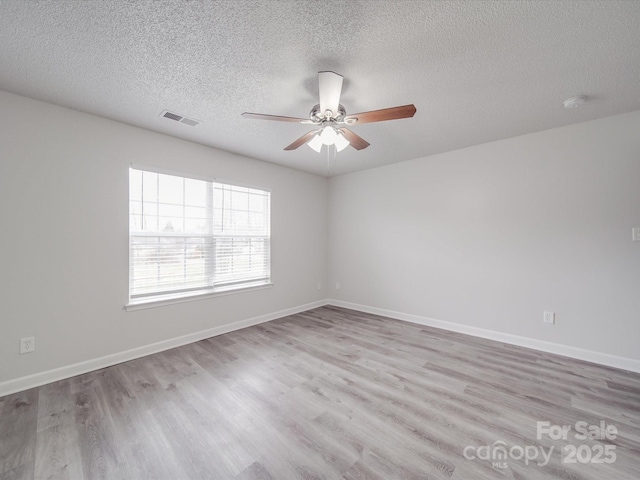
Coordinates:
x,y
188,235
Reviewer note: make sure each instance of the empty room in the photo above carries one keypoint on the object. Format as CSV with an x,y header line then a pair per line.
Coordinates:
x,y
301,239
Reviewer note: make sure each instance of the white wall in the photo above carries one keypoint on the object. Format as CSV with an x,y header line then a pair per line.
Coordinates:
x,y
64,237
491,236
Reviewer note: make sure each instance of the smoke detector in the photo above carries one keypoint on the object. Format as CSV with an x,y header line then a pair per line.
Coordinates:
x,y
574,102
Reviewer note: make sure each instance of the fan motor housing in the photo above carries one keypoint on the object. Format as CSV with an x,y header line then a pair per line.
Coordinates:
x,y
318,117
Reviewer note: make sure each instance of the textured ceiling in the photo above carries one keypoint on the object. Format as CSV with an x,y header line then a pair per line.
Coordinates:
x,y
477,71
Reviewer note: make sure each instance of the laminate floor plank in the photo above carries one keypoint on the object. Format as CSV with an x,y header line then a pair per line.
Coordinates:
x,y
413,431
381,426
57,436
18,427
255,471
55,455
142,383
332,394
223,442
280,453
189,439
97,439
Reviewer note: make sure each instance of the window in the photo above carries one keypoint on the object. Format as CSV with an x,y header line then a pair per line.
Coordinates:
x,y
190,236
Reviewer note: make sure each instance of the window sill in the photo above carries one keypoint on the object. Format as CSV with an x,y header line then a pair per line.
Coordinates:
x,y
160,301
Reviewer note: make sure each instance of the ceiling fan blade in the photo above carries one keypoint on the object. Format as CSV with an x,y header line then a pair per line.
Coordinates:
x,y
330,88
302,140
278,118
356,141
392,113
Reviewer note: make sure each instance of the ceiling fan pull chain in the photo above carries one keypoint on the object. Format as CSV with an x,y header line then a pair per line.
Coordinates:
x,y
328,159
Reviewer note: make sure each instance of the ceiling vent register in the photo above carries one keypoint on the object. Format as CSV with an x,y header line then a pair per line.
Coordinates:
x,y
180,118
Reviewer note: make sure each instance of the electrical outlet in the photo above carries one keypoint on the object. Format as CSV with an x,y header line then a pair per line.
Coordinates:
x,y
337,285
319,286
549,317
27,345
635,234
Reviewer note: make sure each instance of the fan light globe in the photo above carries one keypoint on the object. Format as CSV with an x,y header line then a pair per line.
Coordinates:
x,y
315,143
341,142
328,135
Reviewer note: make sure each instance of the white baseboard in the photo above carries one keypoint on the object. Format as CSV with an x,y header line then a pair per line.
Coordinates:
x,y
607,359
23,383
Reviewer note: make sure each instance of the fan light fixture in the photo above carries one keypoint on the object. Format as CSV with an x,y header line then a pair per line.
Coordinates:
x,y
328,136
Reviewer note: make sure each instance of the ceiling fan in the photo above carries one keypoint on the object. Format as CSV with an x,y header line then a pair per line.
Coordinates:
x,y
332,119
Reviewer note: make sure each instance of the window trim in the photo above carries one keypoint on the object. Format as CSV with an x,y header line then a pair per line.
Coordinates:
x,y
172,299
158,300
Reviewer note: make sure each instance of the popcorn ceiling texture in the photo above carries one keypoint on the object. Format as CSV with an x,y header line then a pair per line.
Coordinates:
x,y
476,71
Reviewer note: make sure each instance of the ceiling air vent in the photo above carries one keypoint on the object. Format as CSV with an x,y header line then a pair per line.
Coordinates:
x,y
179,118
188,121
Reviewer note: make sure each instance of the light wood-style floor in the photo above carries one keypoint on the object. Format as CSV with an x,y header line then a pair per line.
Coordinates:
x,y
327,394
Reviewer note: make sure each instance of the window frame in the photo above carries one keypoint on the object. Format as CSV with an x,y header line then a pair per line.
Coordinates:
x,y
213,288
